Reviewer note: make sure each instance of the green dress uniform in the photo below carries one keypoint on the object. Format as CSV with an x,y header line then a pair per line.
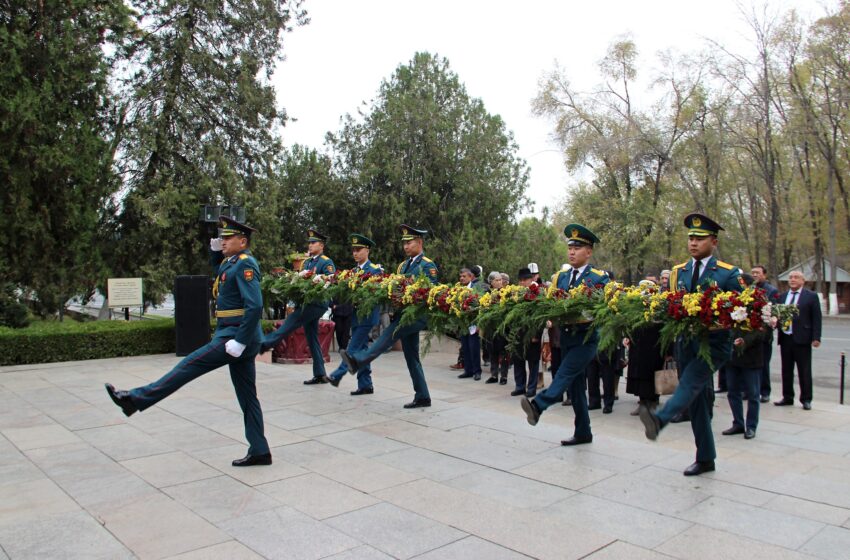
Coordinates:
x,y
419,265
307,316
239,306
696,382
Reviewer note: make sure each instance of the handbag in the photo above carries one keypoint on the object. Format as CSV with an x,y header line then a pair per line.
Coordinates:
x,y
667,379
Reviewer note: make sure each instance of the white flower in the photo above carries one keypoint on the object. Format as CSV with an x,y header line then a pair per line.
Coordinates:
x,y
317,279
739,314
767,312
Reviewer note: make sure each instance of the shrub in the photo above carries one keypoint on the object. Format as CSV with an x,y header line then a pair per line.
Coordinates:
x,y
50,341
13,313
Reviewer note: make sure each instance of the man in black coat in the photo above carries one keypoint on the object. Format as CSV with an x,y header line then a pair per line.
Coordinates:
x,y
797,341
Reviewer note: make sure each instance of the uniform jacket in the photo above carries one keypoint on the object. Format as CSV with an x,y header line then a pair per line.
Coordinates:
x,y
239,302
420,264
320,264
724,275
591,277
375,316
806,325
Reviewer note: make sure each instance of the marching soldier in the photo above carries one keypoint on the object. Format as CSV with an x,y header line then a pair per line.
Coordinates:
x,y
692,394
417,264
308,315
361,246
578,347
239,306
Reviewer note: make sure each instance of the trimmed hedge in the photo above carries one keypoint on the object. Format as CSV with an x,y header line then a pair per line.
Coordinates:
x,y
70,341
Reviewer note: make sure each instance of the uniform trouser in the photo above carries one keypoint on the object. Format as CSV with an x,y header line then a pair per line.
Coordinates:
x,y
692,394
601,371
359,341
470,346
308,317
527,381
205,359
765,370
575,355
409,337
744,381
801,356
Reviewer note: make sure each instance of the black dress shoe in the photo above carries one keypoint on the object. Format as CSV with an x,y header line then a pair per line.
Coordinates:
x,y
749,434
734,430
350,362
719,390
783,402
517,392
477,377
807,406
594,406
699,468
492,379
503,381
316,380
576,441
364,391
331,380
252,460
122,399
464,375
418,403
531,411
608,410
764,399
651,423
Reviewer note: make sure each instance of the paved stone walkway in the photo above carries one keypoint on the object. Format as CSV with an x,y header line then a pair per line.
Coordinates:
x,y
360,477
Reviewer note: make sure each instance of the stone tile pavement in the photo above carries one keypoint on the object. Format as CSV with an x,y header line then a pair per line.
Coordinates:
x,y
362,478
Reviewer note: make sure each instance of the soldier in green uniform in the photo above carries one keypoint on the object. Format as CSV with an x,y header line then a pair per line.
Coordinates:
x,y
694,393
578,347
308,315
239,305
417,264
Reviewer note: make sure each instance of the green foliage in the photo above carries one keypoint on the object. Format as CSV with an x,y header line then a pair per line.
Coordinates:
x,y
13,313
55,153
198,127
429,155
50,341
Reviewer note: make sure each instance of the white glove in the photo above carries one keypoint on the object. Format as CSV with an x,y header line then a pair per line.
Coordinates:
x,y
304,273
472,330
317,279
234,348
215,244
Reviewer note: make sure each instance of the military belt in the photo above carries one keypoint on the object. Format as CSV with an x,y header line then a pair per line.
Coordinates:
x,y
229,313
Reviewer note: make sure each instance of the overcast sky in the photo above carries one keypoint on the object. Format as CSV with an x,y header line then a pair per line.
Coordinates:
x,y
499,50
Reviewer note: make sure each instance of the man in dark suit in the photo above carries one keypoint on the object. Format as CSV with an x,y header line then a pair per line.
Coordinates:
x,y
759,274
796,341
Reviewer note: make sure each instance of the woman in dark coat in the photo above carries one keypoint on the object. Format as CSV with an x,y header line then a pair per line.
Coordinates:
x,y
645,358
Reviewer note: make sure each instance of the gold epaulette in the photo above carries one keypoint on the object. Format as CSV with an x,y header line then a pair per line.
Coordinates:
x,y
426,259
597,271
725,266
683,265
243,256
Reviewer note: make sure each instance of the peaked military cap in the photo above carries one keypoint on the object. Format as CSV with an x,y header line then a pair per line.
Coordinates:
x,y
315,235
701,226
410,232
358,240
227,226
524,273
579,235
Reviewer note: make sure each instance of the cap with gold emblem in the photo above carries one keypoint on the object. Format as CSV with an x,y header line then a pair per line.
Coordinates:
x,y
227,226
578,235
358,240
410,232
315,235
701,226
